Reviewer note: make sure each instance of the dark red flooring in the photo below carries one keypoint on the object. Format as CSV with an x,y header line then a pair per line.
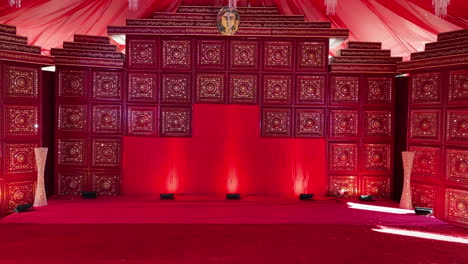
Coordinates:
x,y
201,230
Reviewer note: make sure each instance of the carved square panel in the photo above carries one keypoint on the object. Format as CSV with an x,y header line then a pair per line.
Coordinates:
x,y
457,125
107,118
176,54
243,89
142,53
426,88
310,89
71,83
423,195
244,54
456,162
211,54
71,183
21,82
458,87
378,187
143,87
342,186
377,157
176,88
17,193
210,88
425,124
379,90
456,205
72,117
176,121
19,158
107,85
107,183
310,122
276,122
21,120
344,123
426,161
344,90
278,55
378,123
312,56
343,157
277,89
142,120
106,152
72,152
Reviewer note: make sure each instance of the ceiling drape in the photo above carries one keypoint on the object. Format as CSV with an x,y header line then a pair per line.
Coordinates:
x,y
401,25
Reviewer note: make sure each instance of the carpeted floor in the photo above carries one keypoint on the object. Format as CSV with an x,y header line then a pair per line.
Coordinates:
x,y
211,230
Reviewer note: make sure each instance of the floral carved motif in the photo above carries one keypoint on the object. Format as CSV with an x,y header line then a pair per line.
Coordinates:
x,y
311,56
457,125
142,87
456,205
426,161
107,183
426,88
176,121
457,164
244,54
19,158
21,82
345,90
310,89
19,193
210,53
107,85
142,52
423,195
309,123
342,186
378,123
379,90
142,120
71,83
277,89
278,55
344,123
376,186
343,157
72,117
377,157
72,152
276,122
243,89
106,152
425,124
458,87
177,54
21,120
106,118
210,88
71,183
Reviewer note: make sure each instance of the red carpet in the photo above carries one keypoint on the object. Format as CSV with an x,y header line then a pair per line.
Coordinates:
x,y
202,230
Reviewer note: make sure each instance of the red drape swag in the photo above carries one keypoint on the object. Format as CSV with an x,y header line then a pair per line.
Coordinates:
x,y
402,25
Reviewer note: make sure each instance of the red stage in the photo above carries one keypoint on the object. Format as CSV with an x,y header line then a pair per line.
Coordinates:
x,y
209,229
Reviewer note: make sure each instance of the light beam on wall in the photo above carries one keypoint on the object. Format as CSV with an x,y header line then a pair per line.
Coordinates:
x,y
419,234
382,209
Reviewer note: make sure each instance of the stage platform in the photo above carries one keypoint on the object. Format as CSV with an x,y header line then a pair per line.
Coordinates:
x,y
210,229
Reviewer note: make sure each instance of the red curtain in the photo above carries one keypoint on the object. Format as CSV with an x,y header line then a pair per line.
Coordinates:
x,y
401,25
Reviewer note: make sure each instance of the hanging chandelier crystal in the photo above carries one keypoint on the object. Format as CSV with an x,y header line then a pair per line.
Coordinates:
x,y
331,5
440,7
15,3
132,5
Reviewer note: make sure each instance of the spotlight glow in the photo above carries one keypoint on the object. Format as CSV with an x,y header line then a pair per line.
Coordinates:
x,y
382,209
419,234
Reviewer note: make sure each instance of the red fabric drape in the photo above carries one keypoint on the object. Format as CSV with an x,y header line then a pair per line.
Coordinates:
x,y
401,25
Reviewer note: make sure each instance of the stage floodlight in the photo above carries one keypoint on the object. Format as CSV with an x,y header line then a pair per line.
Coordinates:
x,y
423,211
89,194
306,196
366,197
167,196
233,196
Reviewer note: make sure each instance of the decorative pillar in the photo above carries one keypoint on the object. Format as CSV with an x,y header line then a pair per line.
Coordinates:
x,y
41,155
405,201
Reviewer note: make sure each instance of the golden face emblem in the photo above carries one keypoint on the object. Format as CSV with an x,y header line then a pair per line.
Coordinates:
x,y
228,21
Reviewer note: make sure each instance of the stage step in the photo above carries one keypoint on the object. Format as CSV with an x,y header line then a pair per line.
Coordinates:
x,y
215,9
446,44
13,38
20,47
7,29
91,39
440,52
364,45
364,52
453,35
212,23
86,53
88,46
366,60
213,17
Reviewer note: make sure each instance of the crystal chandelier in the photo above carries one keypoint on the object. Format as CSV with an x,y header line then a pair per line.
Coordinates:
x,y
331,5
132,5
15,3
440,7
